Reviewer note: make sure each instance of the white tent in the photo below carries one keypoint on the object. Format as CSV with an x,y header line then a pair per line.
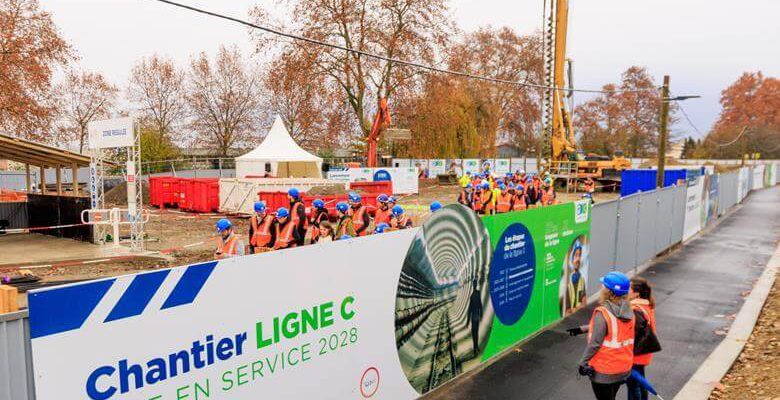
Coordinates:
x,y
279,156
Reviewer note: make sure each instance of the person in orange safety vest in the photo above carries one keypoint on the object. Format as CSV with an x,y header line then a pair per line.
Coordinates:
x,y
262,229
400,220
286,232
297,213
520,200
646,339
228,243
504,201
486,199
360,218
609,355
383,213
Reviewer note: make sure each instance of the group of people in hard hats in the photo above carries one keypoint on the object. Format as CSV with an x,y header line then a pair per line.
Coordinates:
x,y
291,226
487,194
621,337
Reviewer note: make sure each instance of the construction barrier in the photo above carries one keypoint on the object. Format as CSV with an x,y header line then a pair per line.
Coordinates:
x,y
461,289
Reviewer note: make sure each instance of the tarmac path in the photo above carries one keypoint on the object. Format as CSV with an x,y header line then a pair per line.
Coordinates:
x,y
697,289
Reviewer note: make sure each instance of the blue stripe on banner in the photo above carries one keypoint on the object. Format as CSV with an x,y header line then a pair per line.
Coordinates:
x,y
189,285
64,309
138,295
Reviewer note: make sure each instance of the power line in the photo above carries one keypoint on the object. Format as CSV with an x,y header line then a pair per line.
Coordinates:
x,y
431,68
744,129
685,114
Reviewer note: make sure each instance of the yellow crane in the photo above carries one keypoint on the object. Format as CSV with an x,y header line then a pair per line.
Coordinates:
x,y
560,147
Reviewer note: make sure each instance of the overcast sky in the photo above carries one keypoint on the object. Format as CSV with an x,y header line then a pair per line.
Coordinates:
x,y
703,44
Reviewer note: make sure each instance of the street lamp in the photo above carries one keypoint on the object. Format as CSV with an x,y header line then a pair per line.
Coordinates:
x,y
659,182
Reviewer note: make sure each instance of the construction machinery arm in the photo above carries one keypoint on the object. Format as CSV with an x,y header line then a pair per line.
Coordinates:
x,y
381,119
561,135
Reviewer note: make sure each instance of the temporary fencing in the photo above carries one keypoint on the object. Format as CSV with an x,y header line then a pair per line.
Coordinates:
x,y
463,261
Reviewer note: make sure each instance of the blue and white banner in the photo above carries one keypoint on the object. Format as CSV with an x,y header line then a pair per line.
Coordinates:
x,y
270,326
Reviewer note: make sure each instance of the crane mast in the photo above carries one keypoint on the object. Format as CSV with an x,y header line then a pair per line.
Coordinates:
x,y
559,143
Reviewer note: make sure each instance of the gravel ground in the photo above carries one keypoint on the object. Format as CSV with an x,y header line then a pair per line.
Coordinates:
x,y
755,373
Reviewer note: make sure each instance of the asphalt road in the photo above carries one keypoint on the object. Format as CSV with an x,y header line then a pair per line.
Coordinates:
x,y
697,288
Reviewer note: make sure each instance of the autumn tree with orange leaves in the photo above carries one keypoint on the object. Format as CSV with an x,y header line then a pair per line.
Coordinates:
x,y
224,98
625,119
157,88
84,97
749,121
31,49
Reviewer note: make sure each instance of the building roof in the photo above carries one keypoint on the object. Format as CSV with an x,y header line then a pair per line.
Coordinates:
x,y
28,152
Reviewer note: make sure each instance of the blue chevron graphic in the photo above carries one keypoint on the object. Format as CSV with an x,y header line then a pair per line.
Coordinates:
x,y
64,309
138,295
190,284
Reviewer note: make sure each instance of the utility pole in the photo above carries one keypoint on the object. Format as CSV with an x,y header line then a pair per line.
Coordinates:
x,y
659,182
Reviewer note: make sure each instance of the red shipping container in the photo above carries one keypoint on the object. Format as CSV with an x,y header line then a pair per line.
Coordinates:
x,y
379,187
154,191
274,200
169,191
203,195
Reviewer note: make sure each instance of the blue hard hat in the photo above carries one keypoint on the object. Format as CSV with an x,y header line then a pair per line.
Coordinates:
x,y
508,175
468,173
223,225
435,206
398,210
502,186
259,206
318,203
345,237
392,199
382,198
511,185
485,185
294,193
617,283
380,227
342,206
354,197
282,212
520,187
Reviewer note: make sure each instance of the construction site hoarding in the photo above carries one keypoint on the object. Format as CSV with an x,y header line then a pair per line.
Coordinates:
x,y
436,302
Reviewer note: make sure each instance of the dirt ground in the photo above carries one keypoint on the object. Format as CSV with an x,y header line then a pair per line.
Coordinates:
x,y
755,373
187,238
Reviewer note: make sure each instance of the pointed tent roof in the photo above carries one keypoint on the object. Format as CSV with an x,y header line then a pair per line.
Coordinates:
x,y
278,145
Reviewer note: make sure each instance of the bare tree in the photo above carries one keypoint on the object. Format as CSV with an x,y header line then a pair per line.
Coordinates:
x,y
157,86
224,97
31,49
85,97
404,29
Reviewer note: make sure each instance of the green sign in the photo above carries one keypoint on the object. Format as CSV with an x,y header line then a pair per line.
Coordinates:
x,y
538,270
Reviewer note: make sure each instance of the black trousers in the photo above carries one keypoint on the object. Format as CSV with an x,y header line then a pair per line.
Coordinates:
x,y
605,391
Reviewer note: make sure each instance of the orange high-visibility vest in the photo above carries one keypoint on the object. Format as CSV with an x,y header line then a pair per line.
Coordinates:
x,y
227,248
476,204
518,203
262,232
357,219
548,196
649,314
382,216
616,354
504,203
284,236
294,214
487,201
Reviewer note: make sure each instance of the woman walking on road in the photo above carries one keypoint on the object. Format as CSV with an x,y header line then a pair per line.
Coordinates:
x,y
645,339
609,355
